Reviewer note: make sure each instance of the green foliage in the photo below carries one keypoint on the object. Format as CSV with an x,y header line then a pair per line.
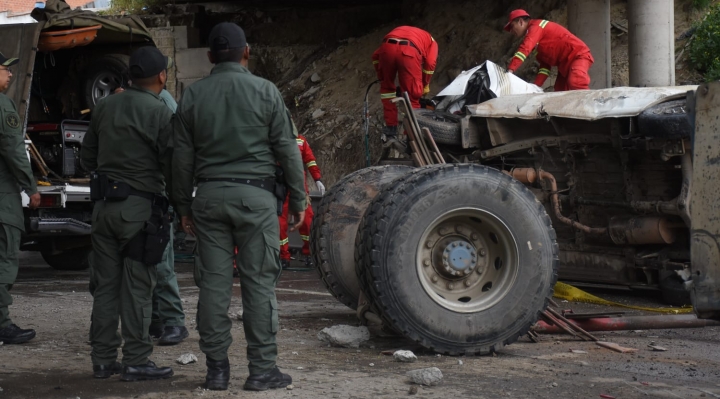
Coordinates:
x,y
705,46
131,6
701,4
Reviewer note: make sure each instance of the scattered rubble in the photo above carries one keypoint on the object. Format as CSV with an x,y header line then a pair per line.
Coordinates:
x,y
429,376
658,348
615,347
344,335
187,358
577,351
413,390
315,78
318,113
404,356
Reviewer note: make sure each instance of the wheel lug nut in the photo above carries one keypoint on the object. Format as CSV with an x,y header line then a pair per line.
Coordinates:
x,y
474,237
467,283
450,286
434,279
454,244
426,262
482,252
479,271
429,244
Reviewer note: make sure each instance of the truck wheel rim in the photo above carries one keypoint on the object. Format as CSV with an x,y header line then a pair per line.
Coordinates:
x,y
467,260
104,85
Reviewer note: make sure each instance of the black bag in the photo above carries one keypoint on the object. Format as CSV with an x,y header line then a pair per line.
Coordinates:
x,y
98,186
149,245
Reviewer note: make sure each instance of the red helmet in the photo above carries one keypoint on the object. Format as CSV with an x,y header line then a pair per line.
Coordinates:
x,y
515,15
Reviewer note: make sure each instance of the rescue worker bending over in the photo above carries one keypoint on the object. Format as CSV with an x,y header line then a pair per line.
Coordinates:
x,y
410,54
309,160
555,46
128,145
231,130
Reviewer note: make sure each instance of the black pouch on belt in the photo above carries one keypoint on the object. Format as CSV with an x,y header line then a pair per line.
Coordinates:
x,y
149,245
98,186
117,191
280,189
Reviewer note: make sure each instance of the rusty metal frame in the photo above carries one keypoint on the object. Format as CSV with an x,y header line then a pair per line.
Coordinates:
x,y
550,141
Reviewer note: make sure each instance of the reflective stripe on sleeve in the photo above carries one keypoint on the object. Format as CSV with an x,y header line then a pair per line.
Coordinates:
x,y
385,96
543,23
311,163
544,71
426,72
305,238
285,241
520,55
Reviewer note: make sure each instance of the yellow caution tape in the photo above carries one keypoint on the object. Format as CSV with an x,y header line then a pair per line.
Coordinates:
x,y
572,294
43,183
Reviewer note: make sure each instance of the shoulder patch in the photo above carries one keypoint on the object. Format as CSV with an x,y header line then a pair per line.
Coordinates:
x,y
13,121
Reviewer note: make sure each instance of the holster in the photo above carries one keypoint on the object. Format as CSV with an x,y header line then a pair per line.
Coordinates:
x,y
102,188
149,245
281,189
98,186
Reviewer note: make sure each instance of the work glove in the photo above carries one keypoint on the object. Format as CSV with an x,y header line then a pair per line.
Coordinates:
x,y
426,90
321,187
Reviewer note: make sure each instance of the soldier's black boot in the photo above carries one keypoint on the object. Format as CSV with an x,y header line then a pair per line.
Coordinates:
x,y
148,371
173,335
271,380
13,334
106,370
218,375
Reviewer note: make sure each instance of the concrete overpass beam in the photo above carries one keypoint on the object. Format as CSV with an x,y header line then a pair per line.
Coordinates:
x,y
651,46
589,20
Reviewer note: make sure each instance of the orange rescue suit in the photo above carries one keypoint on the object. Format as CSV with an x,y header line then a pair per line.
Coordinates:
x,y
556,46
410,54
309,160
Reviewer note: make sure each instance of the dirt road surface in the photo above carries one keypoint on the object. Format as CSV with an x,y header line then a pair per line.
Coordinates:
x,y
56,364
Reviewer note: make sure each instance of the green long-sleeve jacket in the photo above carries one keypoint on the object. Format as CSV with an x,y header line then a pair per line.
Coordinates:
x,y
129,140
15,171
233,124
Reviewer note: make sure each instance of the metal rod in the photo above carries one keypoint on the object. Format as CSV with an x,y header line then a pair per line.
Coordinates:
x,y
560,325
572,325
630,323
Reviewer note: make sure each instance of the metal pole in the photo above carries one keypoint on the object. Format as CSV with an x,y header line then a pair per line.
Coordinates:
x,y
630,323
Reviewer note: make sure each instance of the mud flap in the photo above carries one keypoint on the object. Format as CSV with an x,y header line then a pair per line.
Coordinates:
x,y
704,206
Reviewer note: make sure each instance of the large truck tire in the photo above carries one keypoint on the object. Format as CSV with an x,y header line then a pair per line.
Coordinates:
x,y
102,76
335,225
460,259
71,259
444,126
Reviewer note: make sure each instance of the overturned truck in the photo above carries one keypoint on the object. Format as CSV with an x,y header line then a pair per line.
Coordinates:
x,y
615,186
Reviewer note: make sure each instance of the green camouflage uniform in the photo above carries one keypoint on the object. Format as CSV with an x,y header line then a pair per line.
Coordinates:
x,y
15,175
129,141
233,124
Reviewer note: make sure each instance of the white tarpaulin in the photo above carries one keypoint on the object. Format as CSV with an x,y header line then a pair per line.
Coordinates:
x,y
501,82
616,102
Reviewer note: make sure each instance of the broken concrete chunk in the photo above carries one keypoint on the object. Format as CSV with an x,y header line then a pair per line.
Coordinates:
x,y
404,356
310,92
430,376
315,78
318,113
658,348
344,335
187,358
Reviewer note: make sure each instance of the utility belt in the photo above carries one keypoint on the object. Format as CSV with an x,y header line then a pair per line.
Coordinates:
x,y
401,42
150,243
277,186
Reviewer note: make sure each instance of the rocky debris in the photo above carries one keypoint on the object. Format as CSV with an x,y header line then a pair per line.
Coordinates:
x,y
310,92
429,376
318,113
315,78
344,335
657,348
460,362
187,358
404,356
289,387
236,315
413,390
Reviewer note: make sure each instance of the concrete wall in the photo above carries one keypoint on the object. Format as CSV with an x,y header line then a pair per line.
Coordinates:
x,y
590,21
165,42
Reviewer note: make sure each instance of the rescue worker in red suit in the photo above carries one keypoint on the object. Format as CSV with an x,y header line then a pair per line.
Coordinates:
x,y
311,165
410,54
555,46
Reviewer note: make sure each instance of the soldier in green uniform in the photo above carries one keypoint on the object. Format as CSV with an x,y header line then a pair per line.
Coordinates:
x,y
231,130
168,317
15,174
128,145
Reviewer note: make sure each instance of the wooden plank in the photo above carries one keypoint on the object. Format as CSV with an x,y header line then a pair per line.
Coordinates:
x,y
433,145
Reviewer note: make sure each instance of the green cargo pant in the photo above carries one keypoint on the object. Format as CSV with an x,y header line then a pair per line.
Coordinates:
x,y
167,307
122,287
9,248
228,215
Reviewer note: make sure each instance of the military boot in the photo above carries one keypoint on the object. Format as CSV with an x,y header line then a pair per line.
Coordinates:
x,y
218,375
106,370
13,334
148,371
270,380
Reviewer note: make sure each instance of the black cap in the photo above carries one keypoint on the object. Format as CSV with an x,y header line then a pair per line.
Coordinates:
x,y
6,62
148,61
225,36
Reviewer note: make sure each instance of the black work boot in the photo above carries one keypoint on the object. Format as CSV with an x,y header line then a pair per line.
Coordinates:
x,y
173,335
156,330
148,371
308,262
271,380
218,375
106,370
285,263
13,334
